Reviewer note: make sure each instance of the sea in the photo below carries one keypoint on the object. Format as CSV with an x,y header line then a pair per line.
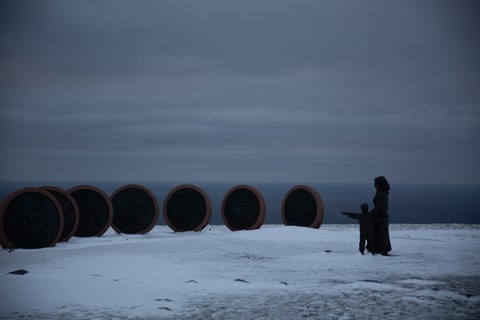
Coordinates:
x,y
408,203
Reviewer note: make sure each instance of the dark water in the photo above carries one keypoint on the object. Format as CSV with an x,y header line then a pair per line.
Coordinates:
x,y
408,203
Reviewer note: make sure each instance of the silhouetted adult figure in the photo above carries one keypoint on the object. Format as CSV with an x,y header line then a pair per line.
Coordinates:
x,y
382,237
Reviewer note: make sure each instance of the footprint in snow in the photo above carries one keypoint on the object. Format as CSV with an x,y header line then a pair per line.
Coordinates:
x,y
164,308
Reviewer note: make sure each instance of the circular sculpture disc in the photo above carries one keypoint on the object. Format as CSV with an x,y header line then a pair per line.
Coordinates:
x,y
135,209
71,214
302,206
96,211
30,218
187,208
243,208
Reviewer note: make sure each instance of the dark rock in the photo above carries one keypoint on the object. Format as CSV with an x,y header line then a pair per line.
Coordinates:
x,y
189,281
19,272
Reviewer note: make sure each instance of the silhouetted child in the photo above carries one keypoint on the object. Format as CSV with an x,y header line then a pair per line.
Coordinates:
x,y
367,227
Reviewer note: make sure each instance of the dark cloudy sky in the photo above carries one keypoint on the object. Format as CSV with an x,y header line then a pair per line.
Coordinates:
x,y
323,91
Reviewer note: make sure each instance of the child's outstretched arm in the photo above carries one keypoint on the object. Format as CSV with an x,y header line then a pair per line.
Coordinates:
x,y
351,215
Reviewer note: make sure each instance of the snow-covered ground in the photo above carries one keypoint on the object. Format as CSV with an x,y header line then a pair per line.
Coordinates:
x,y
275,272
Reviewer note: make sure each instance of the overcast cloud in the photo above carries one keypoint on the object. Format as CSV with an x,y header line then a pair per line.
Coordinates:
x,y
238,91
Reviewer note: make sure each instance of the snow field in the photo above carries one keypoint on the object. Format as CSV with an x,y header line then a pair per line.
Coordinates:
x,y
275,272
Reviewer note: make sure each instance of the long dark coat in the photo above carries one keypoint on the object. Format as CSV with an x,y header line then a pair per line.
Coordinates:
x,y
382,237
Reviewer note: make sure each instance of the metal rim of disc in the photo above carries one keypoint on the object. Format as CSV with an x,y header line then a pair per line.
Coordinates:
x,y
262,210
105,198
76,211
208,205
156,207
7,243
317,222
